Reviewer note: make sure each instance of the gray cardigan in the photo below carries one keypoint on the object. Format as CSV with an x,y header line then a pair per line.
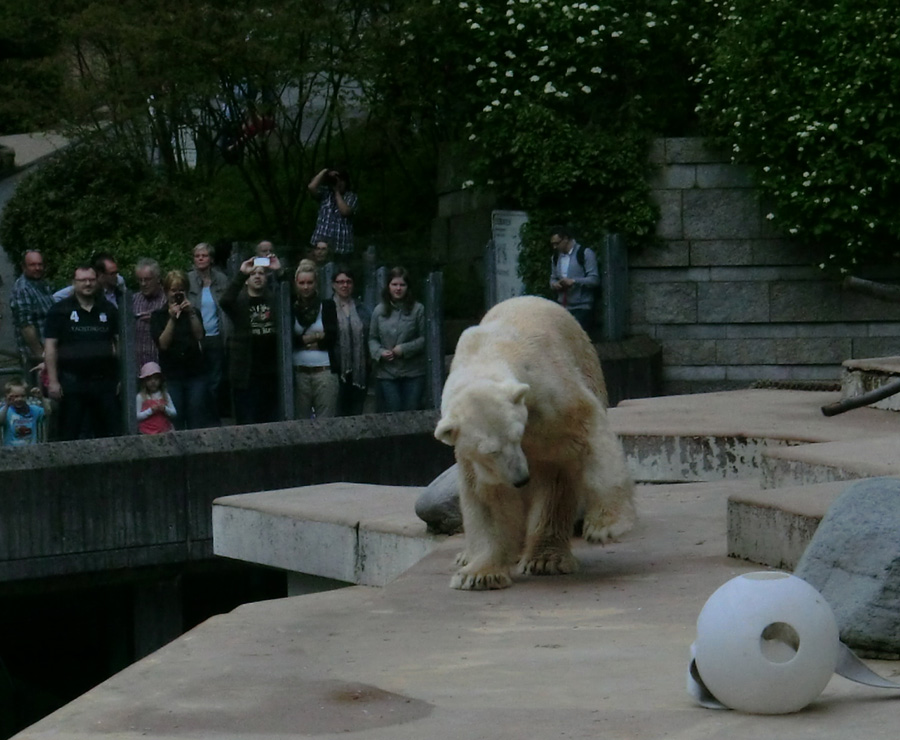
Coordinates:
x,y
218,286
400,329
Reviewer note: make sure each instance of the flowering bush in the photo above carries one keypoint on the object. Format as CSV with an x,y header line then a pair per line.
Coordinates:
x,y
807,93
557,102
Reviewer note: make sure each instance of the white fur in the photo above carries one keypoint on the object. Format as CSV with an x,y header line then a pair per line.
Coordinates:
x,y
525,408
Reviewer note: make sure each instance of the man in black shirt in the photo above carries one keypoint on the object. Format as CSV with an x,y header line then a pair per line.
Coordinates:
x,y
80,356
251,304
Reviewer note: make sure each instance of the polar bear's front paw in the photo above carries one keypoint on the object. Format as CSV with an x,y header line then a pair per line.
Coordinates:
x,y
480,581
462,558
603,527
549,564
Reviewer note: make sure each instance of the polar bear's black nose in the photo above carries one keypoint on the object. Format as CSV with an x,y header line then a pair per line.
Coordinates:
x,y
523,482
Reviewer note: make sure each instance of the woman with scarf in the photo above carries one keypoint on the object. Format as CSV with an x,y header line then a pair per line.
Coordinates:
x,y
314,333
351,348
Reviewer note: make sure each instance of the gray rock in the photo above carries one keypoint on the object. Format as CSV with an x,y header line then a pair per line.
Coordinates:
x,y
854,561
438,506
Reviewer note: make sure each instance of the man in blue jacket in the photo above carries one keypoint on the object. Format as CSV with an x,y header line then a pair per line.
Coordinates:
x,y
574,276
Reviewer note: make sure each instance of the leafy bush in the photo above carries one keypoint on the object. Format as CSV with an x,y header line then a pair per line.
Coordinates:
x,y
807,94
87,200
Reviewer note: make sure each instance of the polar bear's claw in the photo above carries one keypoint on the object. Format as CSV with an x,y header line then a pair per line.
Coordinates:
x,y
605,527
462,558
480,581
549,564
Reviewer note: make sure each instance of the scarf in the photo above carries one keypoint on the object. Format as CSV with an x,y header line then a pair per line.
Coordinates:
x,y
306,312
351,345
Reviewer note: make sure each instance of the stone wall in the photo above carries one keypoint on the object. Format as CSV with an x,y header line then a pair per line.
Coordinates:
x,y
731,300
128,502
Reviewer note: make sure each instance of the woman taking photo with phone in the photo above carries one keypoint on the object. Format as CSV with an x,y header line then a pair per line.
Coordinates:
x,y
178,332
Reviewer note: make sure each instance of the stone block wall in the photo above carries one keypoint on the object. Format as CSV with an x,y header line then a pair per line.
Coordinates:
x,y
729,299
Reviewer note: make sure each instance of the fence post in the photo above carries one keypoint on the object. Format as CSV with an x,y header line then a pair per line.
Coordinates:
x,y
285,329
490,275
434,336
614,287
372,279
127,371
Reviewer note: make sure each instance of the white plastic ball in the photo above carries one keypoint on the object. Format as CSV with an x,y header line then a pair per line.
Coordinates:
x,y
767,643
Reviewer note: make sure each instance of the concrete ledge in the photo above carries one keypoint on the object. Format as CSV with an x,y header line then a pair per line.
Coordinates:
x,y
694,458
774,527
75,507
831,461
361,534
863,375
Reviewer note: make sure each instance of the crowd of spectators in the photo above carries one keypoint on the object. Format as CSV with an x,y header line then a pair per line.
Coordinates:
x,y
194,329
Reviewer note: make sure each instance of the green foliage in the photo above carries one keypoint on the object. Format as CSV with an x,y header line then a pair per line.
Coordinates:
x,y
31,70
557,102
807,94
86,200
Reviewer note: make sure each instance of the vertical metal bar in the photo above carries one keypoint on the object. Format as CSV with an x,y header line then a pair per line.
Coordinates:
x,y
490,275
614,287
127,365
372,284
434,337
284,327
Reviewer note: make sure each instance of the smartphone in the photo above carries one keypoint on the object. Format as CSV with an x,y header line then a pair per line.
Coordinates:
x,y
261,262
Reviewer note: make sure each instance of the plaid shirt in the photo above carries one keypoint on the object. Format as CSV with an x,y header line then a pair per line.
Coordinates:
x,y
331,225
144,346
30,301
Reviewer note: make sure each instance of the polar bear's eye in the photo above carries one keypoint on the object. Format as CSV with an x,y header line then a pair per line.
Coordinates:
x,y
488,448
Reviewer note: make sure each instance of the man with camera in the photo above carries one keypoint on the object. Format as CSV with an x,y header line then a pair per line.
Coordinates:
x,y
253,368
337,204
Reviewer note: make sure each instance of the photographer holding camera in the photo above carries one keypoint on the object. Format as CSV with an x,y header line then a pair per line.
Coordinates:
x,y
177,330
337,204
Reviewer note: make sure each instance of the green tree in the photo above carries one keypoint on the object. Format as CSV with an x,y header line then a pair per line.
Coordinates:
x,y
807,95
31,68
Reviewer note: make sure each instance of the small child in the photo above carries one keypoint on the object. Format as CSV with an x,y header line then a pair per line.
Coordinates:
x,y
155,409
22,422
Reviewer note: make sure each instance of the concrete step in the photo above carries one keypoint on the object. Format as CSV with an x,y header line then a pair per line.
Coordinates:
x,y
824,462
773,527
863,375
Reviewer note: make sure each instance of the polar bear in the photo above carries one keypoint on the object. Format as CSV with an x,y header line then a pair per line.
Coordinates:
x,y
524,407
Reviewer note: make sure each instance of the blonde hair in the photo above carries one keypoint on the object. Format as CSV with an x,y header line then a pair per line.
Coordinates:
x,y
306,265
175,277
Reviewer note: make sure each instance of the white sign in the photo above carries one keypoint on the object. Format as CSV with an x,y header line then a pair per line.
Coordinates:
x,y
505,226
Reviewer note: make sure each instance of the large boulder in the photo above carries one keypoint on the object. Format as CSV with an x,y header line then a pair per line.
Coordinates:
x,y
854,561
438,506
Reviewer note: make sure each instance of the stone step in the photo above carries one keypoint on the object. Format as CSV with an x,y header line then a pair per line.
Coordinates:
x,y
824,462
773,527
863,375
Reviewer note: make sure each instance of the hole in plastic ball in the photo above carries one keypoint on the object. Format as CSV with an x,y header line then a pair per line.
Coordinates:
x,y
779,642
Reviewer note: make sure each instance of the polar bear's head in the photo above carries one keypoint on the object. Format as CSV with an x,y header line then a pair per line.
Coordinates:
x,y
485,421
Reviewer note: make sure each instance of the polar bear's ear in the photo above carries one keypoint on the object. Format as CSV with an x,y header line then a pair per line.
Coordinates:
x,y
517,391
446,431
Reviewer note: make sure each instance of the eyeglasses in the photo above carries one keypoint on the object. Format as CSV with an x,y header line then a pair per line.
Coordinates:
x,y
343,282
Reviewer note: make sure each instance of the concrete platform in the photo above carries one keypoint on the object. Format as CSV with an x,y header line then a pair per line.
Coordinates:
x,y
863,375
598,654
362,534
